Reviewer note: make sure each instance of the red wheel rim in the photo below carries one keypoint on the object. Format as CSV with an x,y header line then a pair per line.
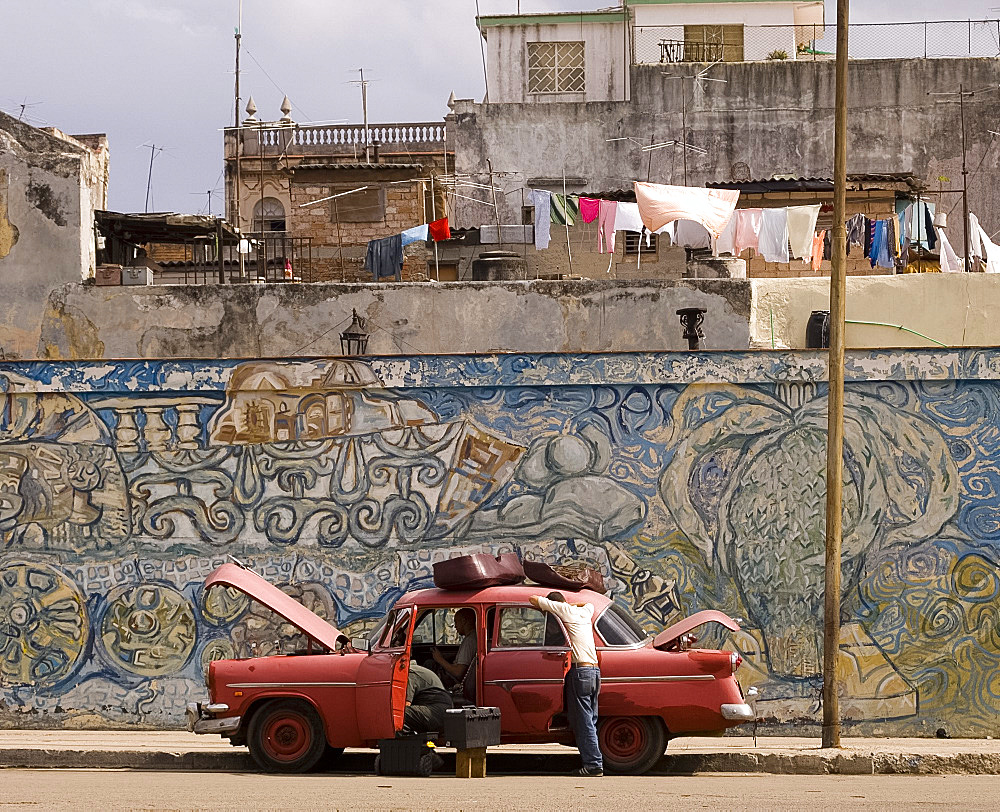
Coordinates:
x,y
623,739
287,736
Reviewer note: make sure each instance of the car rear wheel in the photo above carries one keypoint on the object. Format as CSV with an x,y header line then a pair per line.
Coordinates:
x,y
631,744
286,736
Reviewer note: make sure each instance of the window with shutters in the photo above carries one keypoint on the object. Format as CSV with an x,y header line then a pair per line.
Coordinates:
x,y
556,67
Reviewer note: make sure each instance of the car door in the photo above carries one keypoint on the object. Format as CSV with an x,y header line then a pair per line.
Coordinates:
x,y
381,696
525,668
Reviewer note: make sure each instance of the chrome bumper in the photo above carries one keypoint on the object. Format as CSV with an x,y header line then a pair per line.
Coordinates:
x,y
738,712
200,720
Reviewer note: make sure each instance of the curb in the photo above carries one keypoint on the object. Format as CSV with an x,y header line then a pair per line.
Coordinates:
x,y
360,762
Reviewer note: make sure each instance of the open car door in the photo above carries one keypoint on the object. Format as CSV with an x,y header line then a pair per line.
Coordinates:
x,y
382,678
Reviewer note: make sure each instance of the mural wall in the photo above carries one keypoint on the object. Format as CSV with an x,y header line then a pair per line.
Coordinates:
x,y
692,481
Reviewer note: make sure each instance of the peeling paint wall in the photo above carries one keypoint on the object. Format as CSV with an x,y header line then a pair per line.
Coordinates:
x,y
50,185
691,481
240,321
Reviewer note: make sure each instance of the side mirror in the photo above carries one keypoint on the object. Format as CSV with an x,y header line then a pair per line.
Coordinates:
x,y
361,644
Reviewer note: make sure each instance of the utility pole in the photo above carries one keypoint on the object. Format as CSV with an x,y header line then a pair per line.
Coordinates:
x,y
496,207
965,183
364,115
835,415
238,135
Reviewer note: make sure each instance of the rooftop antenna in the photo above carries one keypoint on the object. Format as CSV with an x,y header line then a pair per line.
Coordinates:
x,y
153,152
24,105
364,112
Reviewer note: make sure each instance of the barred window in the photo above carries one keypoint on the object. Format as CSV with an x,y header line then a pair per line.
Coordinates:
x,y
556,67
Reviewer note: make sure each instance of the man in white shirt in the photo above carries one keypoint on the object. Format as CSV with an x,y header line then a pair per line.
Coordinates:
x,y
583,682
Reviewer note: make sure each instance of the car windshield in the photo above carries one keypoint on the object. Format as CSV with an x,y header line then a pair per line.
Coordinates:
x,y
617,628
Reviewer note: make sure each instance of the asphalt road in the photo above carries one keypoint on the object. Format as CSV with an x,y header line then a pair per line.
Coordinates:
x,y
112,790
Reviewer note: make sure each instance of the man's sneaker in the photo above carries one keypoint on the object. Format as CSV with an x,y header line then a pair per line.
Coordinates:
x,y
590,772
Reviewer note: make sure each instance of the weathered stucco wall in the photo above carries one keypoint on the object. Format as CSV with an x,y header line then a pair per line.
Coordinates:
x,y
691,481
777,117
49,186
243,321
958,310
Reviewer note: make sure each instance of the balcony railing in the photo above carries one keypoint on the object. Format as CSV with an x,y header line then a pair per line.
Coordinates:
x,y
273,257
345,139
916,40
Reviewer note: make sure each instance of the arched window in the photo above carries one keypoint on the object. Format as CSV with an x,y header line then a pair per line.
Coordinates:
x,y
268,215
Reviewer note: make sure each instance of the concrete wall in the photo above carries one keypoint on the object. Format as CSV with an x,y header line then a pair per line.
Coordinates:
x,y
775,117
956,309
49,187
606,57
286,320
692,482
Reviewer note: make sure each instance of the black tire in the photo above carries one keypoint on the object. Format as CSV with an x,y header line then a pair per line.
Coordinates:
x,y
631,745
286,736
378,765
425,766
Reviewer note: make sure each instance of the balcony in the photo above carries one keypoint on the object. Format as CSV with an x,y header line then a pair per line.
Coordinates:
x,y
344,140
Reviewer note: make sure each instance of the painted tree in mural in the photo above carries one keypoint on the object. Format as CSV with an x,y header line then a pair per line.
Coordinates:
x,y
747,485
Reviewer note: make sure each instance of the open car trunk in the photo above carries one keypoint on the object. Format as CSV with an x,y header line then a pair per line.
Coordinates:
x,y
267,594
668,637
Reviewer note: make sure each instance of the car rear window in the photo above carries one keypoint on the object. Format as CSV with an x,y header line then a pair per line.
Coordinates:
x,y
617,628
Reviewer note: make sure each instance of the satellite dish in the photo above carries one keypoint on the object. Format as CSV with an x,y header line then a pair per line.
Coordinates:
x,y
740,172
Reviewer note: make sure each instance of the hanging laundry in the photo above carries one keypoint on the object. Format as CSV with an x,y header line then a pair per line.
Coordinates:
x,y
907,226
726,244
590,209
628,219
416,234
747,229
828,246
869,236
950,263
819,240
660,204
384,257
541,200
896,243
439,230
857,227
985,248
689,234
882,253
565,210
773,239
801,229
922,230
606,227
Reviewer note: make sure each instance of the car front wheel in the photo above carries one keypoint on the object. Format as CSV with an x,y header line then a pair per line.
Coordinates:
x,y
631,745
286,736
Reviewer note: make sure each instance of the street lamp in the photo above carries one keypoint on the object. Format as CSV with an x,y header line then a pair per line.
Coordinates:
x,y
691,320
354,340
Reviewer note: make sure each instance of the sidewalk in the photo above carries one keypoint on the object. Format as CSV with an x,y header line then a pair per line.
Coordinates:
x,y
174,750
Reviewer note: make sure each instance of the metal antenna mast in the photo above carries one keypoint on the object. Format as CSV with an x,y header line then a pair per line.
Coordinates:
x,y
153,150
364,112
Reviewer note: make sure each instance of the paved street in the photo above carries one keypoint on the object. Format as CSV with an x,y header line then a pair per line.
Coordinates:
x,y
105,789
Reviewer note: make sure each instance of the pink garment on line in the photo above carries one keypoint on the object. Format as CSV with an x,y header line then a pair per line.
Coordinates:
x,y
606,226
747,229
817,250
659,205
590,209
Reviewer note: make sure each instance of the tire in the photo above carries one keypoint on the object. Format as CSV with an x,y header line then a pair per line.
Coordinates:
x,y
378,765
631,745
286,736
425,766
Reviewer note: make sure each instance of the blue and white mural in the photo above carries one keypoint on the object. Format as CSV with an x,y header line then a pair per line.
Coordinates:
x,y
691,480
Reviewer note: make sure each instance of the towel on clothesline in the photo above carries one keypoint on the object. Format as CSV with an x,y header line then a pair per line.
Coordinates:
x,y
439,230
590,209
415,234
565,210
802,229
772,241
660,204
541,200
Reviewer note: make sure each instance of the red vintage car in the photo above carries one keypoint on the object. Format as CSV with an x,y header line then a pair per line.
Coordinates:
x,y
294,709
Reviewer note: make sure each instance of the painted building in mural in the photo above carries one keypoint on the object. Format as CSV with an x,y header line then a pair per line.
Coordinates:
x,y
692,481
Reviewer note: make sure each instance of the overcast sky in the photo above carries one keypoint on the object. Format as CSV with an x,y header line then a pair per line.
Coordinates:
x,y
161,71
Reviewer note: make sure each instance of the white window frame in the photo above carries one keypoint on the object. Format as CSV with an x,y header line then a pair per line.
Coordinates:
x,y
558,70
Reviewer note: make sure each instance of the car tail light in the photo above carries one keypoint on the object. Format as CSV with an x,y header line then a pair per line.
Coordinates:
x,y
736,660
210,680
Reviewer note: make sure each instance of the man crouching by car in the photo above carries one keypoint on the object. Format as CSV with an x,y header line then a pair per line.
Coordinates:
x,y
426,701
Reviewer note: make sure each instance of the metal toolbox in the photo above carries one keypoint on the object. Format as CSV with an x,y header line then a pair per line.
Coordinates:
x,y
467,728
137,275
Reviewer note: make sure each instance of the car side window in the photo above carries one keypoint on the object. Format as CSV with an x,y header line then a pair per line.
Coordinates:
x,y
437,627
527,627
396,627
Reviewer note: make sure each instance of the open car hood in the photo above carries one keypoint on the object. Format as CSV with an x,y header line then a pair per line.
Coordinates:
x,y
664,639
266,593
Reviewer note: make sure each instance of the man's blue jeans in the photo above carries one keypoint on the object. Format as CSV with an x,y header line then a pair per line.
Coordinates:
x,y
583,684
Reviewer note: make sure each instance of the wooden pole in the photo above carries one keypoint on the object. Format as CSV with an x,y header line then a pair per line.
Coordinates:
x,y
835,438
965,184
